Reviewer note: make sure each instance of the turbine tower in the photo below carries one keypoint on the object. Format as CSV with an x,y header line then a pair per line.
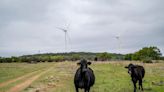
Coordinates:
x,y
119,43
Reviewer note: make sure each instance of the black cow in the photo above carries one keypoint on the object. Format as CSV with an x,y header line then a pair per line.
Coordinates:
x,y
137,73
84,77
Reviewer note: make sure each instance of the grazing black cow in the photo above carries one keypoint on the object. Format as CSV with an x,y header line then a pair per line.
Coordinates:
x,y
84,77
137,73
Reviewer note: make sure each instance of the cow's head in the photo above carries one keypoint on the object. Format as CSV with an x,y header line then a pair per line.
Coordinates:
x,y
130,68
84,65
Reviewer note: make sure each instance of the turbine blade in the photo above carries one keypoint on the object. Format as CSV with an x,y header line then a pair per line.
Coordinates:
x,y
68,26
64,30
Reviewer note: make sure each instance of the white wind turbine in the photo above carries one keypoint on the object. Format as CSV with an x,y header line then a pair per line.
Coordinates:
x,y
66,36
120,40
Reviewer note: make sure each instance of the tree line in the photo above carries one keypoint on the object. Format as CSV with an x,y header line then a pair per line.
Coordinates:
x,y
144,54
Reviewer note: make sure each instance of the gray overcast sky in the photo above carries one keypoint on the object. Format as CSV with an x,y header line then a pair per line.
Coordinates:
x,y
29,26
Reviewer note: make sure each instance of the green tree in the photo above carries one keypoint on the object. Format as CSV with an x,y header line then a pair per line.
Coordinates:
x,y
128,56
75,57
1,60
57,58
147,52
103,56
15,59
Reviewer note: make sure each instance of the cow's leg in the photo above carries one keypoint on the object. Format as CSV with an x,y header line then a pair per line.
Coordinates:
x,y
77,89
88,89
134,83
85,89
140,83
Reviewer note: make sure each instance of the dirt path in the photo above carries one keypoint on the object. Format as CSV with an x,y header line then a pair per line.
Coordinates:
x,y
27,82
16,79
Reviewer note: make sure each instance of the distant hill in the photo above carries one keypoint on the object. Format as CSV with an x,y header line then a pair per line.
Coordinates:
x,y
71,56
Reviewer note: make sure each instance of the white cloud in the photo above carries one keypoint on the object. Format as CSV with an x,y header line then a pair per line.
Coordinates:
x,y
27,27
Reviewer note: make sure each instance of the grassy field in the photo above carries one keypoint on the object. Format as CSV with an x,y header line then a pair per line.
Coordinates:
x,y
58,77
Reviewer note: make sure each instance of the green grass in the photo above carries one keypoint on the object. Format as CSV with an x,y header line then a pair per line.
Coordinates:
x,y
12,70
110,77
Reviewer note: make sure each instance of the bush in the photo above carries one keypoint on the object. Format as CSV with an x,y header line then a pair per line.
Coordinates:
x,y
103,56
57,58
75,57
128,57
147,60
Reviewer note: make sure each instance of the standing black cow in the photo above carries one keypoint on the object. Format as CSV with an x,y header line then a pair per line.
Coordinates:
x,y
137,73
84,77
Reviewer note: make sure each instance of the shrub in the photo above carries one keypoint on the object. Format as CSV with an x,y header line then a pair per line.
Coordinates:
x,y
57,58
147,60
75,57
103,56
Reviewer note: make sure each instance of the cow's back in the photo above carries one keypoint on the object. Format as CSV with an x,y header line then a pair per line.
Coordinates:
x,y
140,71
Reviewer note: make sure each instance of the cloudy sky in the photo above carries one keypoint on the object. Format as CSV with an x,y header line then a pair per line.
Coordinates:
x,y
31,26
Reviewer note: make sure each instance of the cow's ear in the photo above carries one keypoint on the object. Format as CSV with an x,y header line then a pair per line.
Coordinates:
x,y
78,63
126,66
89,63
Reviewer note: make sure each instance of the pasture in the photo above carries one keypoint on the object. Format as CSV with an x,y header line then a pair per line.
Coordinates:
x,y
58,77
